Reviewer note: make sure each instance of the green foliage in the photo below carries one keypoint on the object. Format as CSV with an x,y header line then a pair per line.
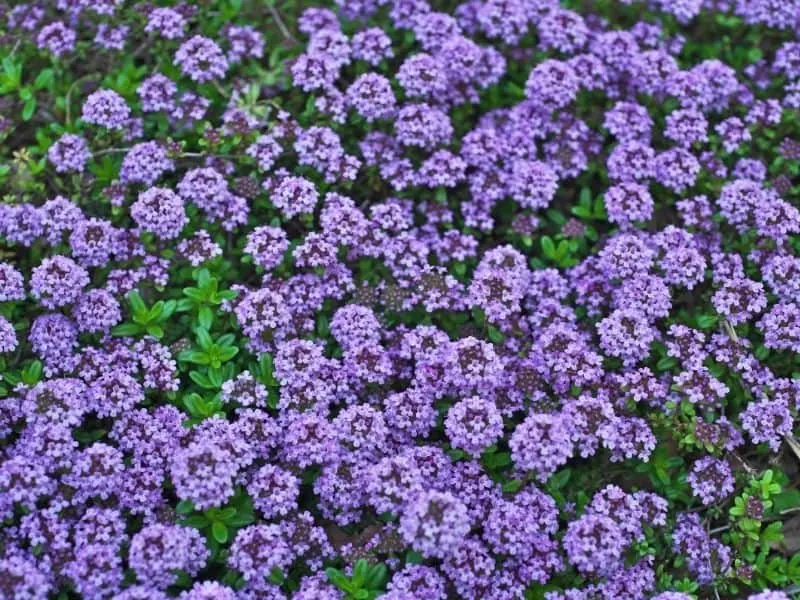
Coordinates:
x,y
150,321
366,583
219,525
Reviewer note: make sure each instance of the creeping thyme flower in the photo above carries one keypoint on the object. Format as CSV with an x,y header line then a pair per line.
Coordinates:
x,y
201,59
8,337
706,556
199,248
552,83
562,30
158,551
274,491
294,196
69,153
157,93
106,108
767,422
626,334
258,549
160,211
12,285
145,163
208,590
111,38
23,577
58,281
473,424
434,524
244,42
265,150
594,544
96,311
371,96
739,299
541,443
56,38
420,580
166,22
204,473
312,72
422,125
401,265
372,45
711,480
627,203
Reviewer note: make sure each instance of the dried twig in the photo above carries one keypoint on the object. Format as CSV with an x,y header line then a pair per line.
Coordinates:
x,y
279,22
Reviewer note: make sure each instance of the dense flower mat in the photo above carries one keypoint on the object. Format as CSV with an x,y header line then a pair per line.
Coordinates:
x,y
486,300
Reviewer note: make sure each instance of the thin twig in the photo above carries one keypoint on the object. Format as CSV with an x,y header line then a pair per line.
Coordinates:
x,y
748,469
111,151
219,88
279,22
68,97
726,325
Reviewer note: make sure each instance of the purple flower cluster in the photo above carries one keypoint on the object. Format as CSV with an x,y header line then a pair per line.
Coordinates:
x,y
503,299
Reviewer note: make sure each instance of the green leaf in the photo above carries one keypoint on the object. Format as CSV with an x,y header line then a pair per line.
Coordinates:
x,y
497,460
599,208
495,335
215,377
156,331
137,304
204,338
226,514
219,531
707,321
32,373
790,499
227,353
360,572
194,293
195,405
195,356
226,340
197,521
582,212
241,520
28,109
169,307
265,367
666,363
585,197
43,79
127,329
455,454
559,479
562,250
276,576
205,317
203,278
155,311
772,533
547,247
337,578
184,507
201,380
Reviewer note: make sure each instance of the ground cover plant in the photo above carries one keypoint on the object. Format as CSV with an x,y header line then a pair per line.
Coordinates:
x,y
414,300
